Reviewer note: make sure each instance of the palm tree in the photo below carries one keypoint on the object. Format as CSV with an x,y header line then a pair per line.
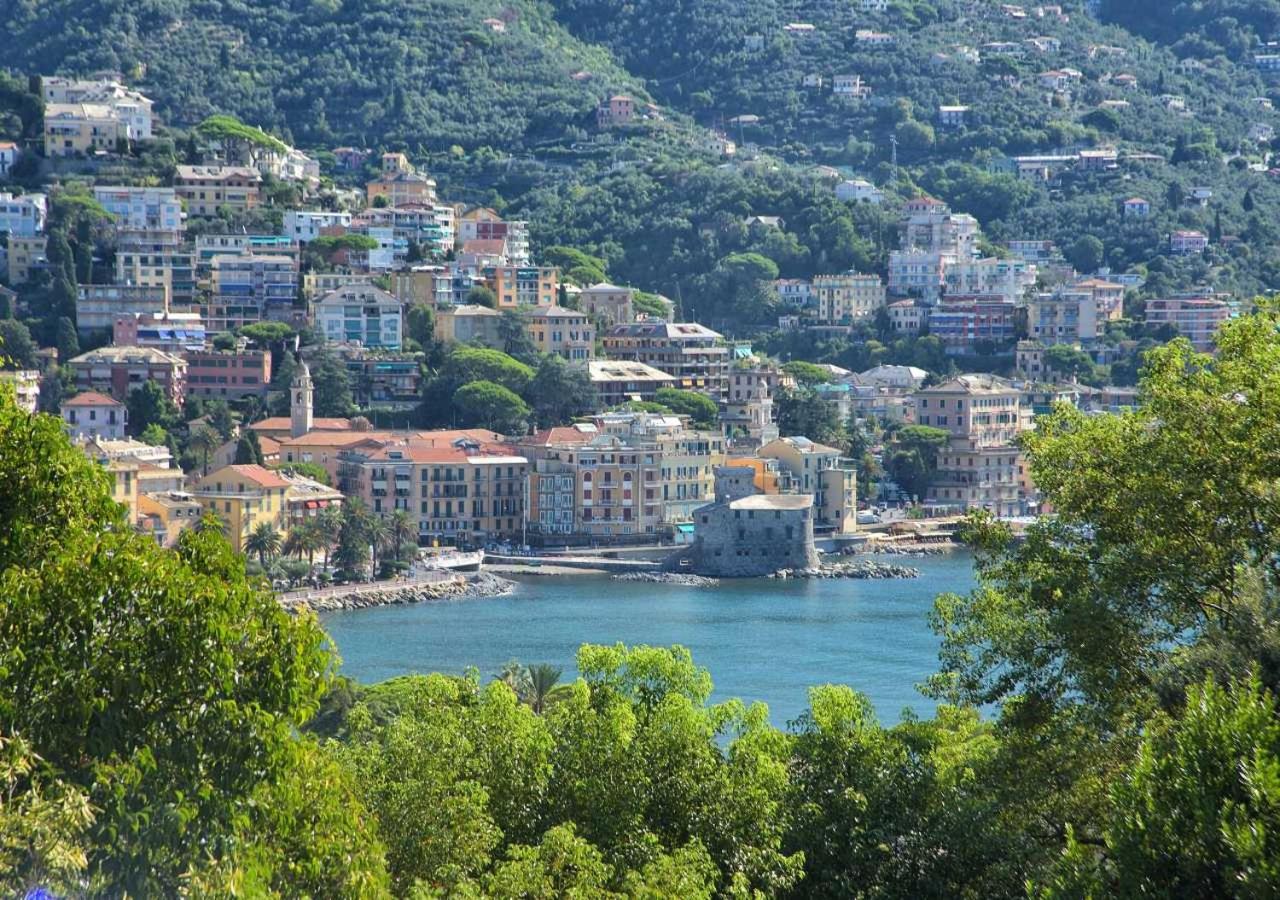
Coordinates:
x,y
516,677
400,532
264,541
377,532
204,441
543,690
296,543
327,525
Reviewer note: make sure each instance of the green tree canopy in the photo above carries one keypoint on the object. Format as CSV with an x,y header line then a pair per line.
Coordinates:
x,y
492,406
702,410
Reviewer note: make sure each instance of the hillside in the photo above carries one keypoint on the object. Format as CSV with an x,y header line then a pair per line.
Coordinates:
x,y
424,74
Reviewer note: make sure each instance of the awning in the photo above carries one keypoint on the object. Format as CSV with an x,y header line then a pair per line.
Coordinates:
x,y
313,504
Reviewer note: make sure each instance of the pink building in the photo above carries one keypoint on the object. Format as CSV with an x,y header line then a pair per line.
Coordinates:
x,y
617,110
1196,318
1188,243
227,373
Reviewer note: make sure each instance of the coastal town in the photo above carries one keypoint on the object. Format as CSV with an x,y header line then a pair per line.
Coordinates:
x,y
672,449
389,370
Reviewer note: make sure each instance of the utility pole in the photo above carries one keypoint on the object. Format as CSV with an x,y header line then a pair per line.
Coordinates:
x,y
893,142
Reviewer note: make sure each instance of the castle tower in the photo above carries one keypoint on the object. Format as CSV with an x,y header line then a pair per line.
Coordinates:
x,y
301,397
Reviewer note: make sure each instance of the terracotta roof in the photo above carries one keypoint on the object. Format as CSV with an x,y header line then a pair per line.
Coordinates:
x,y
561,434
492,246
91,398
331,439
283,423
258,475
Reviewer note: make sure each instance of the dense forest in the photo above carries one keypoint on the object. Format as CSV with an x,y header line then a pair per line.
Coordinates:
x,y
420,74
1107,721
504,117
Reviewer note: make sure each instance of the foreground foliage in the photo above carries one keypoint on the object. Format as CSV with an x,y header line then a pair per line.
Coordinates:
x,y
159,733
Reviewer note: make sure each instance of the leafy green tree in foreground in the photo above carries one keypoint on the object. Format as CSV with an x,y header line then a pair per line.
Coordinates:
x,y
166,689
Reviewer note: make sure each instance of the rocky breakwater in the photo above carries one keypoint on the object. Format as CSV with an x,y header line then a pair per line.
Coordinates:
x,y
680,578
863,568
464,587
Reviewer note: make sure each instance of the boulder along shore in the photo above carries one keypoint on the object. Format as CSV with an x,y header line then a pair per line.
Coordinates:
x,y
864,568
473,586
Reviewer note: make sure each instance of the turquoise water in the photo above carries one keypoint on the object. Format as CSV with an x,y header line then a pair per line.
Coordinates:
x,y
762,640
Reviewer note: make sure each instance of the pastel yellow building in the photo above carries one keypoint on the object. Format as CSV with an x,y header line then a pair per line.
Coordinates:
x,y
72,129
244,497
817,469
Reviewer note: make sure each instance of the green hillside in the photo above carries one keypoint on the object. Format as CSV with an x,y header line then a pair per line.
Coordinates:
x,y
422,73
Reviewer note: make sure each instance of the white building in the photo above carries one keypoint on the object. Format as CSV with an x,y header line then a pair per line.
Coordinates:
x,y
90,415
1007,278
361,314
23,215
858,190
850,86
303,225
918,273
952,116
128,107
141,208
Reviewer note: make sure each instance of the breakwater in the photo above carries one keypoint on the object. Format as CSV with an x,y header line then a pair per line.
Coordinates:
x,y
367,596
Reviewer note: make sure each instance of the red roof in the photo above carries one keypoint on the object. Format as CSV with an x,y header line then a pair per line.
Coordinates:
x,y
283,423
91,398
492,246
561,434
259,476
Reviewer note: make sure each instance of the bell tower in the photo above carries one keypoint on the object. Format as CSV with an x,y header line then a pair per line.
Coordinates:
x,y
301,397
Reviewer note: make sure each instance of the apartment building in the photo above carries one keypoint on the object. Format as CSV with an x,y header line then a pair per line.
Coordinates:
x,y
131,109
228,374
565,332
430,225
609,304
961,322
248,288
517,286
26,387
360,314
981,467
1064,317
81,129
156,259
691,353
26,256
460,490
118,370
1009,279
244,497
484,224
848,298
173,332
400,188
819,470
303,225
205,189
99,305
141,208
23,215
1196,318
470,324
618,381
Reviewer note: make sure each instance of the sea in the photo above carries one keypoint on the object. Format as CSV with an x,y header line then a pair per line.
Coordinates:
x,y
763,640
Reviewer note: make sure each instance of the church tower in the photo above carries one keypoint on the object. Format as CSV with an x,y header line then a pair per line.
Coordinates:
x,y
301,396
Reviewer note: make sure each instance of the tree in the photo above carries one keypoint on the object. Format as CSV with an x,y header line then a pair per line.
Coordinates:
x,y
154,435
515,338
17,350
702,411
332,386
807,373
1207,783
66,339
204,441
482,296
1086,254
264,542
420,324
560,391
186,744
544,689
489,405
249,449
1069,362
352,546
915,457
267,334
802,413
150,405
220,418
